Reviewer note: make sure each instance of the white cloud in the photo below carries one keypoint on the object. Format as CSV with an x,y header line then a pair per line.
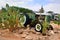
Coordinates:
x,y
53,1
35,7
14,2
55,7
20,3
2,4
52,7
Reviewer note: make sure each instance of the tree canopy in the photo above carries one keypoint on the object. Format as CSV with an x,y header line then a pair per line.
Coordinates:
x,y
41,10
19,9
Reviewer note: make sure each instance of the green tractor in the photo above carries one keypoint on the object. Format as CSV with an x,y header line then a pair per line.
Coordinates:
x,y
38,21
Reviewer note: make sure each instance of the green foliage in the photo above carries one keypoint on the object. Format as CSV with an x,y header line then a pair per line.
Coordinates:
x,y
7,6
45,25
57,22
10,16
41,10
21,10
59,19
3,10
50,12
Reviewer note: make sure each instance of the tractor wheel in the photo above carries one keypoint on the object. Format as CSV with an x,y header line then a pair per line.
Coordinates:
x,y
50,27
38,27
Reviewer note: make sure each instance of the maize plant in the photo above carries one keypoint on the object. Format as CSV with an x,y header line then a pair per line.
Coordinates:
x,y
13,19
45,25
10,18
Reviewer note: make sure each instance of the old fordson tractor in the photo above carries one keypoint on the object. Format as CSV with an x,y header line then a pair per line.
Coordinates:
x,y
38,21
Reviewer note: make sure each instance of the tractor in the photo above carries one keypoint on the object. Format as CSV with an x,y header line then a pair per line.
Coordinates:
x,y
35,20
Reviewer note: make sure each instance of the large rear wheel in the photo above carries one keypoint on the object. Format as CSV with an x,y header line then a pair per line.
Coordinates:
x,y
22,19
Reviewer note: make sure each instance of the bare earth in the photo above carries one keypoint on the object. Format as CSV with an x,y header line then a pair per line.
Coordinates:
x,y
30,34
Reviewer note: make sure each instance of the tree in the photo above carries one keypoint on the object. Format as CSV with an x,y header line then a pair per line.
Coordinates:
x,y
3,10
50,12
7,6
41,10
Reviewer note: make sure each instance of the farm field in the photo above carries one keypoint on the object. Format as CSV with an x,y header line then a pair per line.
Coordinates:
x,y
30,34
29,20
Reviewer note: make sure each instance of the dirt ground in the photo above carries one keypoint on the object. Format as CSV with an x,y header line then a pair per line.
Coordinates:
x,y
30,34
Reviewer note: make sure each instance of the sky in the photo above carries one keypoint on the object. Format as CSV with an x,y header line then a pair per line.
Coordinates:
x,y
35,5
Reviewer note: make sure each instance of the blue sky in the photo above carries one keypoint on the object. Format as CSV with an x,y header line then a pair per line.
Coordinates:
x,y
35,5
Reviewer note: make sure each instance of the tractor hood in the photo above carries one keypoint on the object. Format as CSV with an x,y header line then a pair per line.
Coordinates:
x,y
43,14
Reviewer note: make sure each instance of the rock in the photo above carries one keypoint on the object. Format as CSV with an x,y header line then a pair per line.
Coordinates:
x,y
28,38
59,31
33,31
47,38
16,34
0,33
5,31
38,33
28,27
50,32
23,35
26,30
2,38
14,31
37,38
20,32
27,33
56,30
41,38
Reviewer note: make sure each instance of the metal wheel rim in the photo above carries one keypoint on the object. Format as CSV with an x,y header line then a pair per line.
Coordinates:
x,y
37,27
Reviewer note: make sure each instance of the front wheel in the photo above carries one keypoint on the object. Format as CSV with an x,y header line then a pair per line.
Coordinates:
x,y
38,27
